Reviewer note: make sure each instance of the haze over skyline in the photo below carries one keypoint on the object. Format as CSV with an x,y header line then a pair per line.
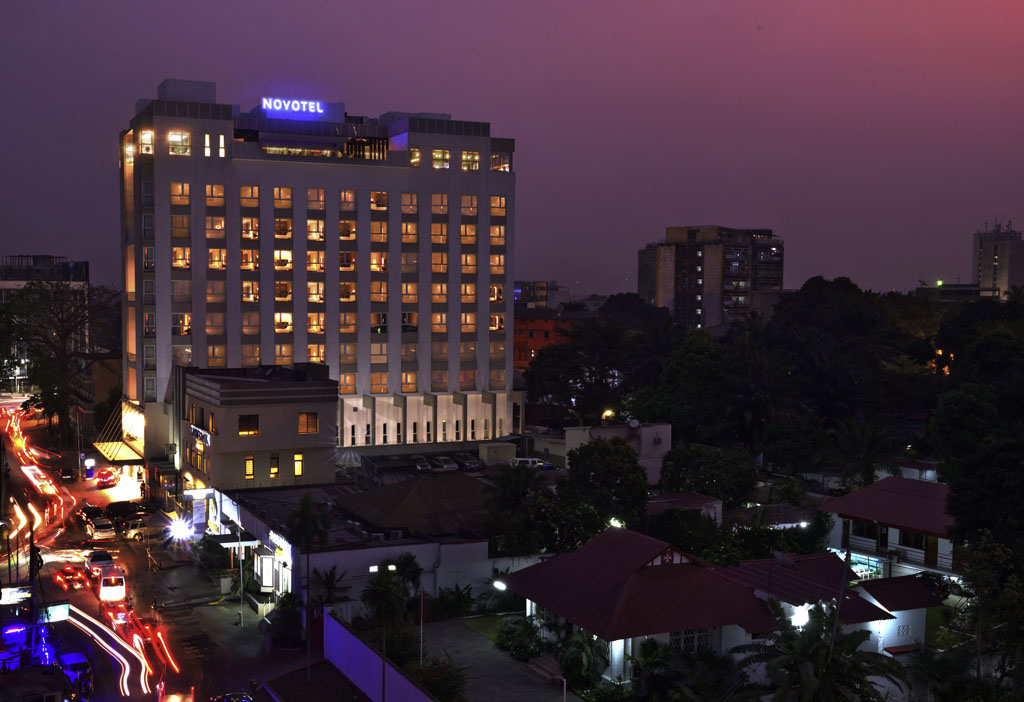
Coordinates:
x,y
873,137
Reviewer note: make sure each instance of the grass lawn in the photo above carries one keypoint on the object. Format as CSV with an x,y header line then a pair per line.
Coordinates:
x,y
486,625
936,634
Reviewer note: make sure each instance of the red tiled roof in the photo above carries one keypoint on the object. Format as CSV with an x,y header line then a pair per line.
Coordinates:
x,y
811,578
606,588
900,594
903,503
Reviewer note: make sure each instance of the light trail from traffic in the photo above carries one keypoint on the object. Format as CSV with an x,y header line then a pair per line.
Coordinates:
x,y
170,658
123,681
143,677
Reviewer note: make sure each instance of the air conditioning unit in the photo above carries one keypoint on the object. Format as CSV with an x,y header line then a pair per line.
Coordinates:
x,y
377,536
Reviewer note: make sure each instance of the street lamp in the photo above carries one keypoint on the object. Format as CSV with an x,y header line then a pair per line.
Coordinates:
x,y
499,585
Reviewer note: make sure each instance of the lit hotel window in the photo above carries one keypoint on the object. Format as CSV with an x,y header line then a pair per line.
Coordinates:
x,y
410,262
409,293
379,352
347,200
346,353
378,383
467,234
215,291
250,290
315,291
378,262
440,158
250,355
410,233
315,354
497,235
129,154
439,323
346,261
468,293
378,291
346,230
282,354
315,229
214,195
221,148
501,162
250,470
347,292
282,322
249,196
218,260
282,228
347,384
497,264
180,143
315,261
471,160
439,262
315,322
180,194
282,198
145,142
414,158
315,199
347,322
439,293
206,145
181,257
275,465
214,227
439,203
410,203
438,233
216,356
282,291
469,205
497,206
468,263
298,465
379,201
250,228
379,232
251,322
250,260
408,382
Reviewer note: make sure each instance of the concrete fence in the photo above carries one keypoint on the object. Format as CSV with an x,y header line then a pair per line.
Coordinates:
x,y
376,677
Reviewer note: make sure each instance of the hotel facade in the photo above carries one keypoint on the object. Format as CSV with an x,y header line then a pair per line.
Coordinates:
x,y
297,233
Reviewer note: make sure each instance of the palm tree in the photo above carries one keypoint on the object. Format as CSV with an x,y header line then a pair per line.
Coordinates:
x,y
860,446
329,588
408,571
820,662
305,525
385,598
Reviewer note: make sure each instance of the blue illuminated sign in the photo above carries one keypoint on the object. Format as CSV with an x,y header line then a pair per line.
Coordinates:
x,y
307,107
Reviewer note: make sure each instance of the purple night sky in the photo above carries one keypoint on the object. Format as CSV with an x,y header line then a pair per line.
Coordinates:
x,y
873,136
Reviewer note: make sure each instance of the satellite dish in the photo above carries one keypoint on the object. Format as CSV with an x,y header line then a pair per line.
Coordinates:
x,y
634,423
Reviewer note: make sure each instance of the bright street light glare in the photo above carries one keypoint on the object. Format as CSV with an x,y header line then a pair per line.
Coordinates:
x,y
181,529
499,585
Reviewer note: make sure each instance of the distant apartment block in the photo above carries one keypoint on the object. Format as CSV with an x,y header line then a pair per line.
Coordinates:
x,y
540,293
709,275
18,271
998,258
537,327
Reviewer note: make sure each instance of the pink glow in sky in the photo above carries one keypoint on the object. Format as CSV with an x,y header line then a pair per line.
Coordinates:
x,y
873,136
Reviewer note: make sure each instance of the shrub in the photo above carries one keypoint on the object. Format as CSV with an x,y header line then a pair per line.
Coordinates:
x,y
451,602
403,644
520,636
608,692
444,679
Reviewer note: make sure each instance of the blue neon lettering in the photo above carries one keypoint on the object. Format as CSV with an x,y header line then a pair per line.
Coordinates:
x,y
279,105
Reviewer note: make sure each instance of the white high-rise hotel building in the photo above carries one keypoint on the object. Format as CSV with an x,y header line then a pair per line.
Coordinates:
x,y
381,247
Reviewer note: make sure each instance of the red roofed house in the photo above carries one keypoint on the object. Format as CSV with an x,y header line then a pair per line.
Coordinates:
x,y
897,526
623,587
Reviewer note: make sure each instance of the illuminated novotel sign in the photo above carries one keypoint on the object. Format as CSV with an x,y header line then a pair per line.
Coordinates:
x,y
313,107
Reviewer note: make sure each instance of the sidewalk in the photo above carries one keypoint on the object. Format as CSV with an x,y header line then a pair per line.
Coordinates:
x,y
238,655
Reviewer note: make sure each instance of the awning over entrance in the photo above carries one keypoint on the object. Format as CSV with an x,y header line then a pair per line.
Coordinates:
x,y
232,540
118,452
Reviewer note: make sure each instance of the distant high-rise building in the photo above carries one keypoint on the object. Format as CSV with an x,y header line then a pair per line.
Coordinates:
x,y
541,293
380,247
709,275
998,258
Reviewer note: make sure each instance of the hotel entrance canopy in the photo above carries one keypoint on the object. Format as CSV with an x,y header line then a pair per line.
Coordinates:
x,y
118,453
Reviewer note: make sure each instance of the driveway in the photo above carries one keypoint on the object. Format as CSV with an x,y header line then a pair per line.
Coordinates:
x,y
492,675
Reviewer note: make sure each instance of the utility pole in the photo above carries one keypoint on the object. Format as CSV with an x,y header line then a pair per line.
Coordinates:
x,y
241,570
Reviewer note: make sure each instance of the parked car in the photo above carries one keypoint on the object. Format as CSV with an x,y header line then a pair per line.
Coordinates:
x,y
68,474
96,561
139,530
76,666
421,463
467,461
123,510
101,529
443,463
529,462
106,478
88,512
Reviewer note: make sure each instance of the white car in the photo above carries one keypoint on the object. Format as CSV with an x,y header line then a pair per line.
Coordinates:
x,y
101,530
96,561
139,530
